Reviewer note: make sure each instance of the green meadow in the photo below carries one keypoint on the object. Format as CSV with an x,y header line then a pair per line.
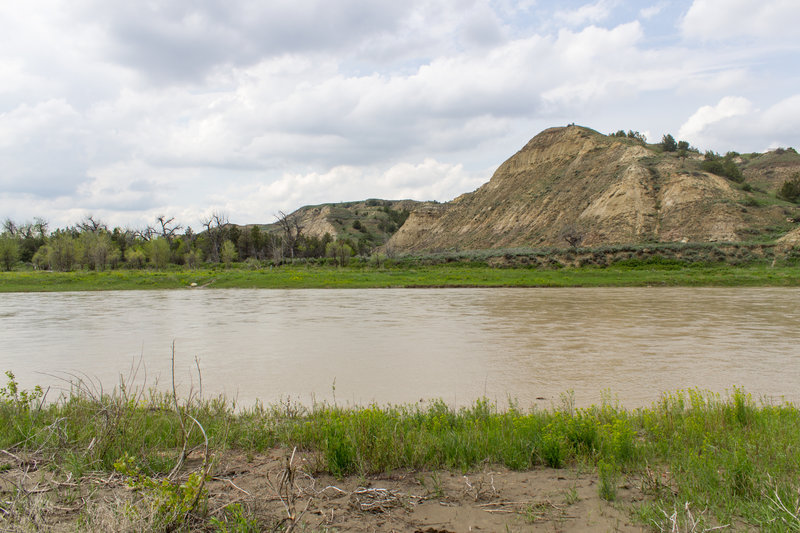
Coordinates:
x,y
438,275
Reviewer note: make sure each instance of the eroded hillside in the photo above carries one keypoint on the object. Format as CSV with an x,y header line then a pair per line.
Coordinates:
x,y
573,182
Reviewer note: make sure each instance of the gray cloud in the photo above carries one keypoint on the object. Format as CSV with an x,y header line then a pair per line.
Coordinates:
x,y
134,109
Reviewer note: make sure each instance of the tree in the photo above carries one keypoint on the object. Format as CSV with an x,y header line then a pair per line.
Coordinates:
x,y
10,227
123,239
340,251
9,251
215,225
790,190
63,252
98,250
668,143
158,252
573,234
136,258
228,253
637,136
290,224
168,229
90,225
193,258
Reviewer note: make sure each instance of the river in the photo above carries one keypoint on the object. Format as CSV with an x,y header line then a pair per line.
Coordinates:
x,y
411,345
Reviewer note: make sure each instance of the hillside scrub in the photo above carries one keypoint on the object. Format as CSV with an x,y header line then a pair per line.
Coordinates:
x,y
726,455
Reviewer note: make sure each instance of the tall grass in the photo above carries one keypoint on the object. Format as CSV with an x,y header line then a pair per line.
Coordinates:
x,y
735,458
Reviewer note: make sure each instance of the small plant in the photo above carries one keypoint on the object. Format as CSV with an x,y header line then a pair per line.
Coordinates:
x,y
571,496
609,478
168,502
20,399
235,520
553,451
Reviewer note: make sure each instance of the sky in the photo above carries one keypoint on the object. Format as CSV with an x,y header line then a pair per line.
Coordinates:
x,y
131,110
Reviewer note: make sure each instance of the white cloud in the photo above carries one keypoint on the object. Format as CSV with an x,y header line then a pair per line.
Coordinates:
x,y
730,106
709,20
427,180
652,11
186,106
586,14
736,124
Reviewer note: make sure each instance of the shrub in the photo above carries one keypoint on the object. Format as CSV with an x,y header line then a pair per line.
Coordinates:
x,y
668,143
790,190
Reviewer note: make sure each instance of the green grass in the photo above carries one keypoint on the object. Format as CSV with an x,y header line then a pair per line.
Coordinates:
x,y
734,458
625,274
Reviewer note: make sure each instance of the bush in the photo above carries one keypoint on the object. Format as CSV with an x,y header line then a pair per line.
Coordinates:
x,y
722,167
668,143
790,190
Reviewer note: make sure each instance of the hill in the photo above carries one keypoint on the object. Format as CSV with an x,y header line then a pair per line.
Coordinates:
x,y
366,224
573,184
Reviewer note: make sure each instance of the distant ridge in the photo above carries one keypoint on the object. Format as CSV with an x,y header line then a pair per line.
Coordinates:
x,y
573,184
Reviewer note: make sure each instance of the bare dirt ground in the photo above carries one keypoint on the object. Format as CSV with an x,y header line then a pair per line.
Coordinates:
x,y
490,499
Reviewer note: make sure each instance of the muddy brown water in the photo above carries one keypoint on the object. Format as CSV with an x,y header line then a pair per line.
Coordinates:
x,y
408,345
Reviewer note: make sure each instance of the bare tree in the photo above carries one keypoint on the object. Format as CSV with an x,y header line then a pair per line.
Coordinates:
x,y
90,225
40,225
573,234
168,229
10,227
215,225
290,224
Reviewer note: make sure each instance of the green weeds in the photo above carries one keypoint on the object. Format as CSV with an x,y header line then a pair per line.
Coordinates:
x,y
731,457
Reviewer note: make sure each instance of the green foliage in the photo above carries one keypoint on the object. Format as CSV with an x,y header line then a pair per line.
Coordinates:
x,y
193,258
668,143
340,251
9,251
235,520
637,136
609,480
727,455
158,252
136,258
19,399
170,503
722,166
62,252
790,190
228,253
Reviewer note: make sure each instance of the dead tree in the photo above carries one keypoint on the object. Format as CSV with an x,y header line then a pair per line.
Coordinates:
x,y
10,227
215,225
168,230
290,224
573,235
90,225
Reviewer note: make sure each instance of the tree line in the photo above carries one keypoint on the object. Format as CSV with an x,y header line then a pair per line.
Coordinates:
x,y
91,244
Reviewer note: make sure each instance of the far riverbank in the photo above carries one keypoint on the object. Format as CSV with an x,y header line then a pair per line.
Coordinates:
x,y
440,275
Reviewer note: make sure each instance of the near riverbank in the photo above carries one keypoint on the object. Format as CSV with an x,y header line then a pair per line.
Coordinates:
x,y
143,460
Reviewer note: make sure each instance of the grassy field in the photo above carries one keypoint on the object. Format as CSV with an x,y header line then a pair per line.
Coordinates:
x,y
445,275
730,456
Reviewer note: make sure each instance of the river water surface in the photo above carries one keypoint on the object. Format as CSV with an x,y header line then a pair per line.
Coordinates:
x,y
407,345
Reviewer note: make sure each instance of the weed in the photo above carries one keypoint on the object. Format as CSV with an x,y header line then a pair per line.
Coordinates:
x,y
235,520
609,479
167,503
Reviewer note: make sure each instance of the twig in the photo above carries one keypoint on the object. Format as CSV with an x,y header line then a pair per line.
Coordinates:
x,y
234,485
182,455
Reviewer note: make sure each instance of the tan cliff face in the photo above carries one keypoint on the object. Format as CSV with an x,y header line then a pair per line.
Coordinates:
x,y
609,190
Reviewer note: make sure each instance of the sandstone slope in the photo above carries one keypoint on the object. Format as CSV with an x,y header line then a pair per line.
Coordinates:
x,y
605,189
